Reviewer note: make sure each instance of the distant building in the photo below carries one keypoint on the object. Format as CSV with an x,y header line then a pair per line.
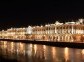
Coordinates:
x,y
69,31
61,32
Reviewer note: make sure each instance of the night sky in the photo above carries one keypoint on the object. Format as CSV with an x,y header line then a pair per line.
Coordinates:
x,y
25,13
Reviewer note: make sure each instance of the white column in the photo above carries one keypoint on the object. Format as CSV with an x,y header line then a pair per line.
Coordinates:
x,y
72,29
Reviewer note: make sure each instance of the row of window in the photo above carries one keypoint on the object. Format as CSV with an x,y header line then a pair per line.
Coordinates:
x,y
70,31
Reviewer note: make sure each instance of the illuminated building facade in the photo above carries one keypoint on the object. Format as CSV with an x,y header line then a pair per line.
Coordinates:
x,y
68,32
13,33
57,32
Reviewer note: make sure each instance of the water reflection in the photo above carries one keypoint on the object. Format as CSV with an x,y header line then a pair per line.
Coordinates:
x,y
39,53
66,54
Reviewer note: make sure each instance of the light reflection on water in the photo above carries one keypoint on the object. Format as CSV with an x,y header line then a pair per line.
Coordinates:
x,y
39,53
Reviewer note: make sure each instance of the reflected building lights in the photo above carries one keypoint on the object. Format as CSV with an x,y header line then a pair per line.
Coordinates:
x,y
35,48
66,54
83,51
21,48
5,44
44,47
29,50
30,45
12,46
40,53
54,52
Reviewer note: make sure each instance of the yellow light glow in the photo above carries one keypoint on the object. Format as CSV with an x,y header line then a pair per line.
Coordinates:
x,y
83,51
66,52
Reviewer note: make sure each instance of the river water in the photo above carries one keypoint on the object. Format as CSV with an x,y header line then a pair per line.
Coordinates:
x,y
24,52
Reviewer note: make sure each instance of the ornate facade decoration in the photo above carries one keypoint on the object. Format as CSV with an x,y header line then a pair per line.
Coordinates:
x,y
57,32
67,32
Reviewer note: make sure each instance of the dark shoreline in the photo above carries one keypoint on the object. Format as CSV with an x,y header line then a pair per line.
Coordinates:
x,y
57,44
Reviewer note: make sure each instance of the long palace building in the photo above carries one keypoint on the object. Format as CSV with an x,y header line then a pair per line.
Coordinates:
x,y
57,32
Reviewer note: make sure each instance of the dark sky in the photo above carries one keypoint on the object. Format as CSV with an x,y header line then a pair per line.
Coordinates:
x,y
24,13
